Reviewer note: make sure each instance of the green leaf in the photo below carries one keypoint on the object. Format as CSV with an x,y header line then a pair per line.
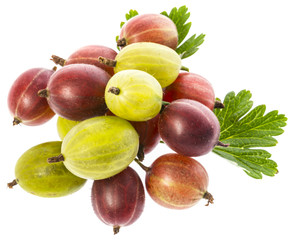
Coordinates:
x,y
189,47
244,128
132,13
179,17
121,24
253,161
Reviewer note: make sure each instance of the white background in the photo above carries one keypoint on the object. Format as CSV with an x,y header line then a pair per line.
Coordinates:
x,y
248,45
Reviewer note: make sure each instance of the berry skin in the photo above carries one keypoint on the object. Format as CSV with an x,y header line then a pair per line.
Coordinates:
x,y
191,86
88,55
119,200
36,176
158,60
99,147
24,104
189,127
155,28
76,92
133,95
177,182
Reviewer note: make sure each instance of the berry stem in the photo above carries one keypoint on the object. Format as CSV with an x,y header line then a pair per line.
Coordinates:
x,y
16,121
116,229
43,93
114,90
12,184
59,158
146,169
163,105
209,197
58,60
218,104
140,154
221,144
185,68
121,42
107,62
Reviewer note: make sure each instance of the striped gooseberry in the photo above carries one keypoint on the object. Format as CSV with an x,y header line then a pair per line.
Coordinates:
x,y
99,147
176,181
24,104
36,176
119,200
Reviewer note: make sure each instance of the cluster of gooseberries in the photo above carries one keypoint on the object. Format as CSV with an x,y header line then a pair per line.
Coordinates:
x,y
113,109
